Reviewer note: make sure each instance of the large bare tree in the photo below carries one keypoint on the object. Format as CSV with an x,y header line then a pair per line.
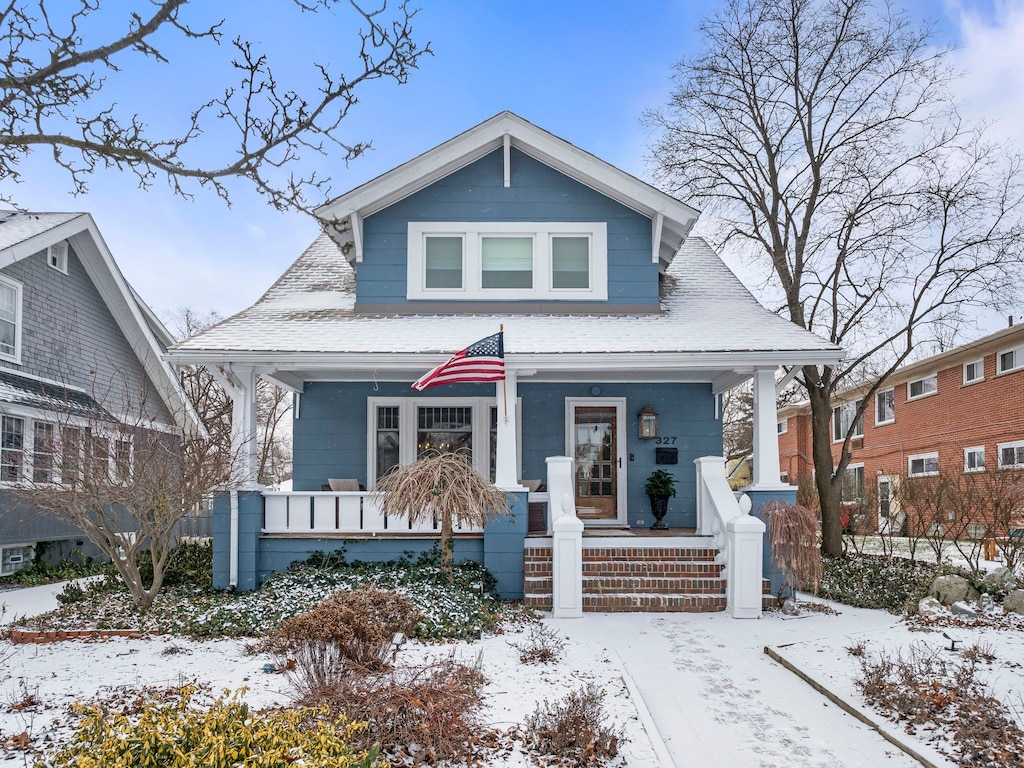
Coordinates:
x,y
57,59
822,137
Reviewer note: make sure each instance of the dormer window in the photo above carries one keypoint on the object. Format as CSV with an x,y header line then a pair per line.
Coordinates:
x,y
508,261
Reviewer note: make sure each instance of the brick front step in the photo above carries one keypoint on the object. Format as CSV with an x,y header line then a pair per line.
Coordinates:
x,y
604,585
683,568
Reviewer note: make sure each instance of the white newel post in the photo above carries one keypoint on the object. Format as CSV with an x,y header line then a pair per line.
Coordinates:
x,y
744,557
506,473
766,433
566,541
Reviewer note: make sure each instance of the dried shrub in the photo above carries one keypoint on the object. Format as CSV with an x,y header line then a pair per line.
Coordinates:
x,y
794,534
419,715
542,645
573,729
925,690
228,733
349,631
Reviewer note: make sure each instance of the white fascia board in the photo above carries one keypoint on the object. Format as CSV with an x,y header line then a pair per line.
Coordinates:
x,y
99,264
39,242
539,144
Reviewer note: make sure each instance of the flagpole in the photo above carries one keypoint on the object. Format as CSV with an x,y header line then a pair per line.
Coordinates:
x,y
504,376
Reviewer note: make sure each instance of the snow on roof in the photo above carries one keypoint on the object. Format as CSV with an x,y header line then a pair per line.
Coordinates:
x,y
311,309
17,226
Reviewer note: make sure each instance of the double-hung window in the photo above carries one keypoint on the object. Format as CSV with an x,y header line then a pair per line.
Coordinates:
x,y
12,448
10,320
554,261
923,465
1010,359
1011,455
842,419
974,459
42,452
923,386
885,406
974,371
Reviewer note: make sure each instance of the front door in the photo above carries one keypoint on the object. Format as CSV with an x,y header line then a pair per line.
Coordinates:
x,y
595,436
885,510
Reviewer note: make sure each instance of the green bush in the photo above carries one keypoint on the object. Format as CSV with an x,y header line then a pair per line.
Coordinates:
x,y
873,581
191,563
74,566
229,734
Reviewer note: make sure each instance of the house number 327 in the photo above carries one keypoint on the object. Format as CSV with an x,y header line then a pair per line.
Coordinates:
x,y
665,440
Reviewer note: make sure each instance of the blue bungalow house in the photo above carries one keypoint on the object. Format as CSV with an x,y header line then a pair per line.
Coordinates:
x,y
612,314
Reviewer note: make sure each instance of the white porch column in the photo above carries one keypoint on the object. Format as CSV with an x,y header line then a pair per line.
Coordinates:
x,y
766,434
245,463
506,472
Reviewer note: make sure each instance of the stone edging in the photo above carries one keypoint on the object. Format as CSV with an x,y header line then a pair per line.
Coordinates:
x,y
24,636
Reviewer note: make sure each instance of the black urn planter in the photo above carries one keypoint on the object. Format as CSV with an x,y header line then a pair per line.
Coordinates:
x,y
659,508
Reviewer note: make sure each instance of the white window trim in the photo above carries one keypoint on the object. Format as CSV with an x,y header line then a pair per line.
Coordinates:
x,y
975,449
924,394
407,429
885,421
980,362
1018,360
18,302
782,425
542,232
922,457
999,454
57,256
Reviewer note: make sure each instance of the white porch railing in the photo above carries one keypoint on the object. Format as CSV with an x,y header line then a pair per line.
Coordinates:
x,y
738,537
338,512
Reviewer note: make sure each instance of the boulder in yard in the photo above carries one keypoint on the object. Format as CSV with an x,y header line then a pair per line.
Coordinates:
x,y
929,606
952,589
964,610
1002,578
1014,602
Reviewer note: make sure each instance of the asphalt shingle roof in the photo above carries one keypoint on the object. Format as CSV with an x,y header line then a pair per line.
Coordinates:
x,y
16,226
705,308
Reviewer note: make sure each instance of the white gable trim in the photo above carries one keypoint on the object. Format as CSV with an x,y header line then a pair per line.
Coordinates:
x,y
502,131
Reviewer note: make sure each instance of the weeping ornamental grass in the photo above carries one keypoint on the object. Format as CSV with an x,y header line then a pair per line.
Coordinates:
x,y
443,486
794,534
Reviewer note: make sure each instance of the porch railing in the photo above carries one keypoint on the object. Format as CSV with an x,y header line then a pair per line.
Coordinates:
x,y
738,537
338,512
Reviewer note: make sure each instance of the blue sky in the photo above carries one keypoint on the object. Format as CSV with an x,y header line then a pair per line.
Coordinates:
x,y
584,70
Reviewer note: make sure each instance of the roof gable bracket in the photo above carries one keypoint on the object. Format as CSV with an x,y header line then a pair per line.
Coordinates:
x,y
357,234
506,142
784,382
659,222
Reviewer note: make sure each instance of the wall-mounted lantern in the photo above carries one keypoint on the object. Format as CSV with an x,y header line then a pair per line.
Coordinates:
x,y
648,423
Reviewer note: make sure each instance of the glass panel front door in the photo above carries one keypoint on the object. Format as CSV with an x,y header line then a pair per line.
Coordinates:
x,y
595,446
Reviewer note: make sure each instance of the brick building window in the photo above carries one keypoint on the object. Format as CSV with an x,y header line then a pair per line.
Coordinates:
x,y
974,459
923,386
974,371
885,406
843,416
1011,359
923,465
782,426
1011,455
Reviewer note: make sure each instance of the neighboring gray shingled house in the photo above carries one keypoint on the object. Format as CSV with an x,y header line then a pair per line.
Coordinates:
x,y
76,347
610,310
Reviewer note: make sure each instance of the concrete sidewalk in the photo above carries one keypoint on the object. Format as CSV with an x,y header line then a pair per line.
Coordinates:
x,y
716,699
30,601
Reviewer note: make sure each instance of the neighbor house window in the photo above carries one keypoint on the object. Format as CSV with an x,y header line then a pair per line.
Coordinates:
x,y
1011,359
853,483
12,448
783,426
14,558
42,452
923,464
1011,455
885,406
508,260
974,371
974,459
843,417
10,319
922,387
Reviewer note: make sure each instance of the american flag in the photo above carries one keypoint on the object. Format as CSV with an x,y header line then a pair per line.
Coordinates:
x,y
483,360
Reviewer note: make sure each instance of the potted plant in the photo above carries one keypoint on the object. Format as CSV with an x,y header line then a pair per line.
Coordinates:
x,y
659,486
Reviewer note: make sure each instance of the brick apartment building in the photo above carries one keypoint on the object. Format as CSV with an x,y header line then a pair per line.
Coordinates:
x,y
960,411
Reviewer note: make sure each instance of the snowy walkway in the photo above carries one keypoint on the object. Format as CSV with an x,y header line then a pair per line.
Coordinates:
x,y
718,700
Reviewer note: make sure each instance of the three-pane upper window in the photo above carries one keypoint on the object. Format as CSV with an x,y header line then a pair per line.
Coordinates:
x,y
923,386
558,261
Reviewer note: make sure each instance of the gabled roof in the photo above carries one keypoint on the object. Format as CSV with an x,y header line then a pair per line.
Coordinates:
x,y
672,219
23,234
708,320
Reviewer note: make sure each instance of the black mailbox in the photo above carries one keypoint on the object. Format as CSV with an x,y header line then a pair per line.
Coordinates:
x,y
666,455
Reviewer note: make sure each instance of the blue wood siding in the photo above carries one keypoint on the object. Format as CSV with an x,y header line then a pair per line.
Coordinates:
x,y
477,193
330,433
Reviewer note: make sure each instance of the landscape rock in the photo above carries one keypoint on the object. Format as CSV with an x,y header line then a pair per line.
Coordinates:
x,y
952,589
1002,578
929,606
789,607
1014,602
964,610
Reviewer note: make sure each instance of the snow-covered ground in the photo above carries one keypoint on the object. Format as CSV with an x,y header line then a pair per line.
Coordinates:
x,y
689,689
